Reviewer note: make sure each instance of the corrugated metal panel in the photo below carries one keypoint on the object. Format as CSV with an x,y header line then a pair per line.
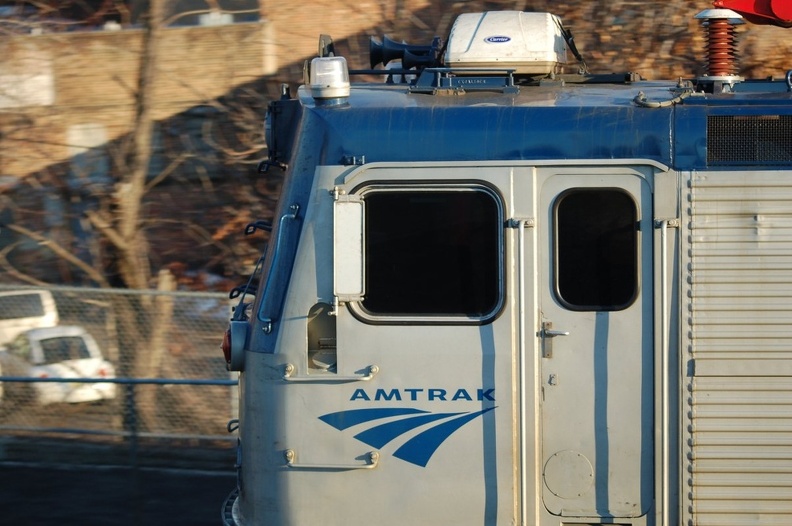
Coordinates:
x,y
739,349
740,452
740,272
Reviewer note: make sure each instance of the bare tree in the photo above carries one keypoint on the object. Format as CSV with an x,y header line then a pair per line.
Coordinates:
x,y
114,211
122,224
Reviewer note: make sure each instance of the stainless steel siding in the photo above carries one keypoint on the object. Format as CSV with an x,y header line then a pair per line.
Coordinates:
x,y
738,344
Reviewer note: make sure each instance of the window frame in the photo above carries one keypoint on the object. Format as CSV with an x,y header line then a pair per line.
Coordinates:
x,y
361,313
636,261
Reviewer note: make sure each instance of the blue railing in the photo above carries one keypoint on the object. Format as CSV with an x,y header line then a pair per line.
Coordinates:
x,y
131,431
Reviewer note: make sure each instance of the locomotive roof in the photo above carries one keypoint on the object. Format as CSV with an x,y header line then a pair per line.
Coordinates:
x,y
390,123
384,95
393,123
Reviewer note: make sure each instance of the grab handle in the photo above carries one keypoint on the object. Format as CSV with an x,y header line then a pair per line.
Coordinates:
x,y
289,370
372,459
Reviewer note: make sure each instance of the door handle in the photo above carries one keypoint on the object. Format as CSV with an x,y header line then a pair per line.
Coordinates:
x,y
547,334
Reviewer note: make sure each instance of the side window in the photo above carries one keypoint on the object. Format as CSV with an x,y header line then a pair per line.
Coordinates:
x,y
434,252
17,306
596,249
20,347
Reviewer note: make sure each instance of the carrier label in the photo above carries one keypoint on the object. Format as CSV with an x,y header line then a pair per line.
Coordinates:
x,y
497,39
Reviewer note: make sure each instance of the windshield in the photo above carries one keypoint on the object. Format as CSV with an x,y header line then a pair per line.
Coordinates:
x,y
63,348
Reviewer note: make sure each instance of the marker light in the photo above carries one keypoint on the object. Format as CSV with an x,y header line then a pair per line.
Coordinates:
x,y
329,78
233,346
226,346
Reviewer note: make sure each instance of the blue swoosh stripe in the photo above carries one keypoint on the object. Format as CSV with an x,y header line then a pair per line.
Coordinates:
x,y
419,449
380,435
345,419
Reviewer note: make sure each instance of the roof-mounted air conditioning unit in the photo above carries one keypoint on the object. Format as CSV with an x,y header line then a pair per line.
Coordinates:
x,y
528,43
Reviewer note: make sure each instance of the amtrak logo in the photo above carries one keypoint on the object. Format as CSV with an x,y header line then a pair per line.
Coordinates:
x,y
497,39
396,421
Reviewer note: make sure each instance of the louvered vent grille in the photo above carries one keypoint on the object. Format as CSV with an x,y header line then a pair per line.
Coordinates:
x,y
749,140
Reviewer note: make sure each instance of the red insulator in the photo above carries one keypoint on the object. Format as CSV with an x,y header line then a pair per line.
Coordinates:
x,y
721,48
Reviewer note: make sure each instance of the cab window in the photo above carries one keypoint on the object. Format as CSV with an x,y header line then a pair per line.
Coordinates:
x,y
596,249
435,252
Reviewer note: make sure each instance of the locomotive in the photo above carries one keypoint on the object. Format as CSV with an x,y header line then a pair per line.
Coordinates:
x,y
501,289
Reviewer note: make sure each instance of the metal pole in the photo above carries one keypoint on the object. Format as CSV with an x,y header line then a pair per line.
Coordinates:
x,y
131,423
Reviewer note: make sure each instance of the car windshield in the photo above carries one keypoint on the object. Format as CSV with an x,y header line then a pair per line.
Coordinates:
x,y
63,348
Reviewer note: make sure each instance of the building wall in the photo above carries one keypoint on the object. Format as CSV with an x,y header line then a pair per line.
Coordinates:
x,y
56,88
62,94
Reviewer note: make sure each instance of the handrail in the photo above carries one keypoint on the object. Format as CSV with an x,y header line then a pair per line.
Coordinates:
x,y
522,352
328,377
372,462
131,430
664,364
520,225
123,381
266,317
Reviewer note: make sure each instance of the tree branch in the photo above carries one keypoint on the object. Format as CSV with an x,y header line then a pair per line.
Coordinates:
x,y
11,269
103,226
175,163
62,253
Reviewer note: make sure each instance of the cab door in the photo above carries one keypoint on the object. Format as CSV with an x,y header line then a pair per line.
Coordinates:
x,y
596,342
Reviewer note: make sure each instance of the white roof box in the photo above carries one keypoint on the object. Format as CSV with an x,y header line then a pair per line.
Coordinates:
x,y
529,43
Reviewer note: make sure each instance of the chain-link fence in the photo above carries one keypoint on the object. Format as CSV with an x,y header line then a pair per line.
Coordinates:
x,y
139,366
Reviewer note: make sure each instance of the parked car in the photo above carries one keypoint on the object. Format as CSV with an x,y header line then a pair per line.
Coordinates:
x,y
21,310
56,352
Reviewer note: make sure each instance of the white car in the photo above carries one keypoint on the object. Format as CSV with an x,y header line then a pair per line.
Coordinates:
x,y
21,310
57,352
